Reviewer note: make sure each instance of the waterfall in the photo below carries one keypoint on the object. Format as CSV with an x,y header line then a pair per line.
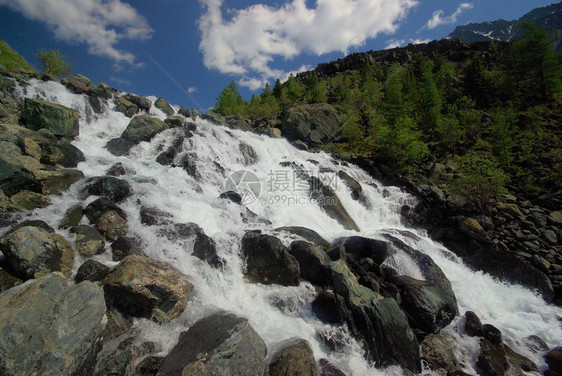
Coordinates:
x,y
275,312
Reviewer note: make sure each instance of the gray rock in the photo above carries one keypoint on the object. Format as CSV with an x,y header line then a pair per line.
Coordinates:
x,y
163,105
314,263
268,261
379,321
356,189
142,287
437,351
100,90
174,121
58,181
119,146
27,200
188,113
60,120
554,360
555,218
91,270
110,187
315,124
50,328
97,208
213,117
328,369
293,357
7,281
219,345
111,225
143,128
78,84
88,241
14,178
126,107
550,237
125,246
249,155
330,203
141,102
33,250
491,359
308,234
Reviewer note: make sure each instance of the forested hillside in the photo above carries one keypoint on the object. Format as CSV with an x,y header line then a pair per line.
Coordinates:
x,y
488,111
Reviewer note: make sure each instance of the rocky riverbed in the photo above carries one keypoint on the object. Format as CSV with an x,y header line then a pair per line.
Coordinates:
x,y
124,253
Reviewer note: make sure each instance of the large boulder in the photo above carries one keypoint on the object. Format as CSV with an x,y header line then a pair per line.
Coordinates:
x,y
59,120
268,261
142,287
88,241
27,200
78,84
110,187
437,351
204,248
143,128
378,321
314,124
142,102
33,249
314,262
57,181
15,178
358,247
48,327
164,106
221,344
126,107
293,357
307,234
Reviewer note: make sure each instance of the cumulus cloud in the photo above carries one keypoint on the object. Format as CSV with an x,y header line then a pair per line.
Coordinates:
x,y
191,89
438,19
100,24
251,39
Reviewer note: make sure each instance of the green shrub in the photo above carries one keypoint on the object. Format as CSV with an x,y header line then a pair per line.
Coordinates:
x,y
53,62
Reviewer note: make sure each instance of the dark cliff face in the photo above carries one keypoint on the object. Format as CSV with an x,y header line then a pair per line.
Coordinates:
x,y
549,17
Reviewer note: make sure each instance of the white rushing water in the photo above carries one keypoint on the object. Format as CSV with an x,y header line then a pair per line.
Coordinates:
x,y
516,311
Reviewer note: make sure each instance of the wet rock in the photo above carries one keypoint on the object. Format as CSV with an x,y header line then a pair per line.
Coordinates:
x,y
491,359
237,122
314,124
492,334
204,248
111,225
437,352
143,128
268,261
221,344
328,369
125,246
58,181
14,178
554,360
188,113
174,121
249,155
119,146
26,200
164,106
59,120
88,241
143,103
142,287
96,105
308,234
377,320
473,326
518,364
535,343
78,84
63,153
325,307
149,366
7,281
232,196
330,203
300,145
314,263
189,163
356,189
110,187
126,107
293,357
97,208
154,216
91,270
33,249
359,247
47,314
116,170
100,90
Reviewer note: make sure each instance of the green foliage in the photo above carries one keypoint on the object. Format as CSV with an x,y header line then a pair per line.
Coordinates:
x,y
229,100
53,62
11,60
401,142
481,179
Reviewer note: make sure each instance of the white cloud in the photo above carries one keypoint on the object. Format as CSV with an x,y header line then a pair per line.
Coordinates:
x,y
100,24
393,43
438,19
251,39
191,89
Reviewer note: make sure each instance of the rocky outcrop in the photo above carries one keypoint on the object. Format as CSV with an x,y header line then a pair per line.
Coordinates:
x,y
269,261
142,287
141,128
59,120
221,344
33,249
164,106
328,200
50,328
314,124
314,263
293,357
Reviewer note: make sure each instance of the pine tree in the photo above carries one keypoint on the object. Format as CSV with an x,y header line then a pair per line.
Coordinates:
x,y
229,100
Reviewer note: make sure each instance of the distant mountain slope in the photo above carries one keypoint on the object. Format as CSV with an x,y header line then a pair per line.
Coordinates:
x,y
549,17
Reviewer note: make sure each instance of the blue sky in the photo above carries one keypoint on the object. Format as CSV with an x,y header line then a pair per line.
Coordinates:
x,y
186,50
